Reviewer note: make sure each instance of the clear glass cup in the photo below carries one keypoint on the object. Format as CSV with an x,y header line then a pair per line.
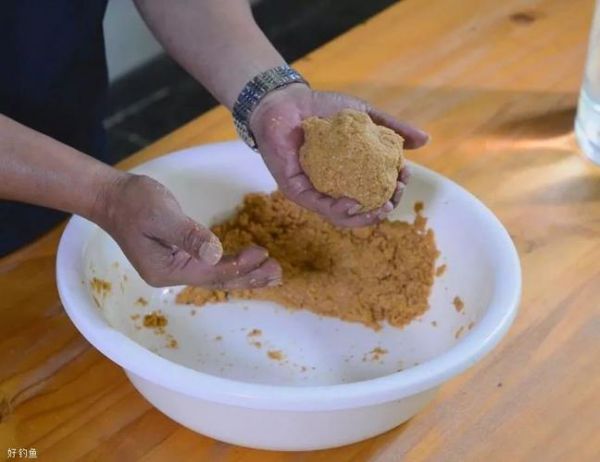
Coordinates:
x,y
587,121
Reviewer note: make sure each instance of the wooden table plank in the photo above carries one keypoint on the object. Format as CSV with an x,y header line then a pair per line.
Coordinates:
x,y
496,84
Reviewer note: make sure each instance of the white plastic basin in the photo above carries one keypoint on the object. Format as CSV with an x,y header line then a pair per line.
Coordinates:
x,y
330,390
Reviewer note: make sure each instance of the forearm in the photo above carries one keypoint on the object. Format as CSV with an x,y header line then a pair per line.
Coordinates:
x,y
37,169
216,41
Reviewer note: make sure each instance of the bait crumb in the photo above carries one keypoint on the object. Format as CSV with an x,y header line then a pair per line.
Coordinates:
x,y
458,304
141,301
157,321
255,333
100,286
459,332
349,155
172,343
440,270
382,273
376,354
276,355
256,344
419,206
135,317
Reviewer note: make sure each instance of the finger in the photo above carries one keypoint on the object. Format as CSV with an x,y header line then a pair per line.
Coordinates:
x,y
197,240
400,187
347,206
268,274
361,220
300,190
403,178
356,209
404,175
369,218
335,211
343,212
235,266
413,137
187,270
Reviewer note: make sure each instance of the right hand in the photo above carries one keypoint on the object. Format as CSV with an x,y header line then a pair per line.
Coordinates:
x,y
167,247
277,125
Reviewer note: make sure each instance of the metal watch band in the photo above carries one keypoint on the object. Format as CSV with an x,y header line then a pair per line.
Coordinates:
x,y
254,91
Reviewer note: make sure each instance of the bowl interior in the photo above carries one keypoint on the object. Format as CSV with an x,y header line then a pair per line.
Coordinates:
x,y
210,182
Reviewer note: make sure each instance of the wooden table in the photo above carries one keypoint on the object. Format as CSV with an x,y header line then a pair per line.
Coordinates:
x,y
496,84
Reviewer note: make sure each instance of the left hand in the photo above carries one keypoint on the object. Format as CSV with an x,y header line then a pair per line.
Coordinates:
x,y
166,246
276,125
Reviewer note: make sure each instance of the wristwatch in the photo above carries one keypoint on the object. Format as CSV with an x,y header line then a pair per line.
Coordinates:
x,y
254,91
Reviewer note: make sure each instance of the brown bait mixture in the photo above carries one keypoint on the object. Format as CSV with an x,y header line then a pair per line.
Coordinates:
x,y
155,320
100,286
349,155
276,355
141,301
368,275
458,304
440,270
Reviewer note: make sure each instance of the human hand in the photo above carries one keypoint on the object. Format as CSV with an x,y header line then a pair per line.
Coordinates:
x,y
167,247
276,125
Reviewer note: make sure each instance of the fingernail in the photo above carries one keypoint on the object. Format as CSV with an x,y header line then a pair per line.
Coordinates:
x,y
211,251
387,207
354,209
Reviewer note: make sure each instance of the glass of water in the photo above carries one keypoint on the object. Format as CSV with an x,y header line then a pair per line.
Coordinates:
x,y
587,122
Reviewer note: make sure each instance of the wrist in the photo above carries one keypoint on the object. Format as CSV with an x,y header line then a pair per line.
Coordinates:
x,y
105,196
289,94
254,93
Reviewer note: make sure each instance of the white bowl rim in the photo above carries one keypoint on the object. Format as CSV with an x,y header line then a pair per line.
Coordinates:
x,y
140,361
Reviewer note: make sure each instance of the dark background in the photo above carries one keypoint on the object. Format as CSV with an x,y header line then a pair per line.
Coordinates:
x,y
158,97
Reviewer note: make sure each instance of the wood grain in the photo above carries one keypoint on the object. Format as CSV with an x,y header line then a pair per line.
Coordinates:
x,y
496,84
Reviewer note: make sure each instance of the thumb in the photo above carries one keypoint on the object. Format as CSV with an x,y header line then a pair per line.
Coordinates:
x,y
413,137
198,241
